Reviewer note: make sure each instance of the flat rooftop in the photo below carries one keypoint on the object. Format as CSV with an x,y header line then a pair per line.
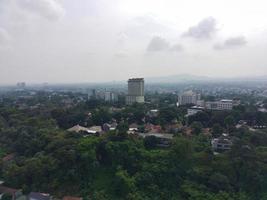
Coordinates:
x,y
136,79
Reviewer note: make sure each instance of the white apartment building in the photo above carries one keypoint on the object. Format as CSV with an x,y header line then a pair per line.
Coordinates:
x,y
135,91
188,97
223,104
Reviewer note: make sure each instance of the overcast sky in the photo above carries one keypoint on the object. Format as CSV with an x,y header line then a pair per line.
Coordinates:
x,y
104,40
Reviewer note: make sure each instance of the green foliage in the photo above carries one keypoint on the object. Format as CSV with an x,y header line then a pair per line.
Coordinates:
x,y
123,184
217,130
6,197
196,128
150,142
119,166
229,121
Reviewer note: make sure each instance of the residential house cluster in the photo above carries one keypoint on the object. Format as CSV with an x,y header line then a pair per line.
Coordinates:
x,y
93,130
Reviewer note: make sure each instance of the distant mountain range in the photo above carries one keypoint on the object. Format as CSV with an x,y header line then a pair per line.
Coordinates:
x,y
176,78
180,78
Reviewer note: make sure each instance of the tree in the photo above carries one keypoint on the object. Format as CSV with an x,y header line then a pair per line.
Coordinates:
x,y
218,182
150,142
229,121
196,128
201,117
123,183
7,197
122,129
217,130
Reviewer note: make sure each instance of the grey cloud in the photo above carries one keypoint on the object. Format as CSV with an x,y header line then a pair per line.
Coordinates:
x,y
157,44
49,9
122,38
4,37
176,48
203,30
232,42
121,54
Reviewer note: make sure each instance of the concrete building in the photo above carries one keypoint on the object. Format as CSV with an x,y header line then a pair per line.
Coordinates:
x,y
222,143
188,97
223,104
135,91
110,97
21,84
194,110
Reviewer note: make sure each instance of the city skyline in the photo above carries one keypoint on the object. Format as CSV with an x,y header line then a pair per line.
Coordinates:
x,y
62,41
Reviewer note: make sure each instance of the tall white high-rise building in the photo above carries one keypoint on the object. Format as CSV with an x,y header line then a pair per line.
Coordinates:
x,y
135,91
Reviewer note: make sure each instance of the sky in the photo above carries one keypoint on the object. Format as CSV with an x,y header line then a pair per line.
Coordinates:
x,y
74,41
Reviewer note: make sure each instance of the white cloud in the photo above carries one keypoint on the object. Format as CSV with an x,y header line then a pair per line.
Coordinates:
x,y
49,9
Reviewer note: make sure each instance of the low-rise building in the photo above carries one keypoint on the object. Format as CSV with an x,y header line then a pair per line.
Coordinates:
x,y
224,104
222,143
153,113
109,127
164,139
86,131
194,110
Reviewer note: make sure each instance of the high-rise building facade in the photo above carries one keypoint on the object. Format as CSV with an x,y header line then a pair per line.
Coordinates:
x,y
189,97
111,97
135,91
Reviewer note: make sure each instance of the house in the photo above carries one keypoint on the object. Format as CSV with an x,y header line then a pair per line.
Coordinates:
x,y
86,131
133,127
173,128
153,113
164,139
95,130
39,196
77,128
153,128
15,193
109,127
222,143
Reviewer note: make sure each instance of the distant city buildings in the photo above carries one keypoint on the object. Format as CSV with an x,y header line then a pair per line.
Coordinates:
x,y
190,97
107,96
21,85
111,97
135,91
224,104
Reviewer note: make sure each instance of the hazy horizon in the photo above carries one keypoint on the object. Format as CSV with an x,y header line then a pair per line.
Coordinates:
x,y
66,41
